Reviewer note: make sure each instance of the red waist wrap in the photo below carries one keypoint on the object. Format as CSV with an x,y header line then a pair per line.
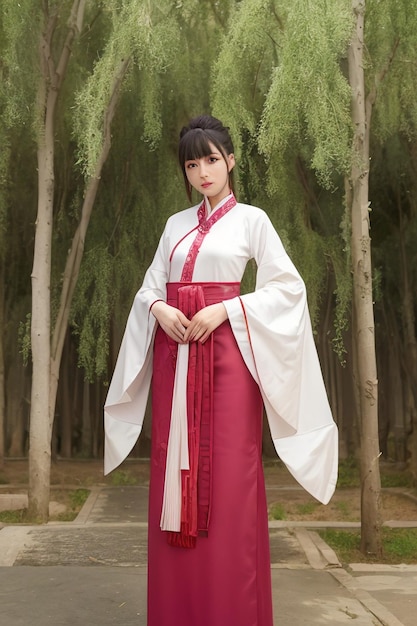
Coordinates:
x,y
196,482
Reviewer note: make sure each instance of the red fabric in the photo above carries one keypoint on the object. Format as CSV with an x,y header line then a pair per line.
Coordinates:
x,y
196,482
204,225
190,299
225,580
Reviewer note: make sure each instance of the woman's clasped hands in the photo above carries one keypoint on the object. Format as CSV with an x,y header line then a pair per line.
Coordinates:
x,y
182,330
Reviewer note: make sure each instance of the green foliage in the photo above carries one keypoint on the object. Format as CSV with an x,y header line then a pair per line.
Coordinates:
x,y
307,109
19,23
308,248
121,478
399,545
74,500
275,72
91,312
242,71
344,508
340,261
77,498
148,35
394,478
13,517
391,68
24,339
278,83
306,508
348,475
346,544
277,511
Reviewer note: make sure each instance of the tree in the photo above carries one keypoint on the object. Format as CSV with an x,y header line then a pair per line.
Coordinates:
x,y
4,216
277,73
124,44
135,34
52,75
357,193
306,122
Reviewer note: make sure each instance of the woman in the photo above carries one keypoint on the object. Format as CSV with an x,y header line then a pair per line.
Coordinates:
x,y
215,359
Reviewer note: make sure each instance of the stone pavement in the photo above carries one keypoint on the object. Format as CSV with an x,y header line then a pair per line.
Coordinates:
x,y
93,571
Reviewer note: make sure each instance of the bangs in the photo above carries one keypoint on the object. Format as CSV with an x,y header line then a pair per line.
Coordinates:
x,y
196,145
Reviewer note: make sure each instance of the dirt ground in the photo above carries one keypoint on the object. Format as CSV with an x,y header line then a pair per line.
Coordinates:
x,y
286,500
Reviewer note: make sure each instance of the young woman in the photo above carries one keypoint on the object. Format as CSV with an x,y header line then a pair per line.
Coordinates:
x,y
216,358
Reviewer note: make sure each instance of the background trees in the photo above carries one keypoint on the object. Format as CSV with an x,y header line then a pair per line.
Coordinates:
x,y
277,73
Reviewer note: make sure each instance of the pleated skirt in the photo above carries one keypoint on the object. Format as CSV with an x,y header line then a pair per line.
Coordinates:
x,y
226,579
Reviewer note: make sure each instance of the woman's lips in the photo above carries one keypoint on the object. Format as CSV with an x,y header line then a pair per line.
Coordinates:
x,y
205,185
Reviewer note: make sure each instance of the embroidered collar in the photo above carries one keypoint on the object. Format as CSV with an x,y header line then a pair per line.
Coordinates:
x,y
204,226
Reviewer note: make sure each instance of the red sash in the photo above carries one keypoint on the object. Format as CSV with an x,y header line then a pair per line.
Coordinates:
x,y
196,482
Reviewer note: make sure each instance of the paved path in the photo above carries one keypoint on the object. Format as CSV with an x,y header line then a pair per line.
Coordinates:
x,y
93,571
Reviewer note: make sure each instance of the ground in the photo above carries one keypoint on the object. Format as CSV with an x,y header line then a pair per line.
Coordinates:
x,y
286,500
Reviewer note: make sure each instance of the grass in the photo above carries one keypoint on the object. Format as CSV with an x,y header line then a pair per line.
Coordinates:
x,y
119,478
13,517
306,508
78,498
399,545
349,475
73,501
344,508
397,479
277,512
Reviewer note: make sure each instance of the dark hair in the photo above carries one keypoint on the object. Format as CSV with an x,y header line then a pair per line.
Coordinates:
x,y
195,139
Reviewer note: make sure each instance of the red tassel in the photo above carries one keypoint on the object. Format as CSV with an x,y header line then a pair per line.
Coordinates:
x,y
181,540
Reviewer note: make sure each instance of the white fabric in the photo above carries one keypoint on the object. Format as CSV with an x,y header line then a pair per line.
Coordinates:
x,y
272,328
177,452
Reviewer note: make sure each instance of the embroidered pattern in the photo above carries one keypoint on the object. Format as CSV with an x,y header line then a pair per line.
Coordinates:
x,y
203,228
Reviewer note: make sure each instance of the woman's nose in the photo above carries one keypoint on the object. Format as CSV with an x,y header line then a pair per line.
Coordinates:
x,y
203,170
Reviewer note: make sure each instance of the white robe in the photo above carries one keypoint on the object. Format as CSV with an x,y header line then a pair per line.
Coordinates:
x,y
272,328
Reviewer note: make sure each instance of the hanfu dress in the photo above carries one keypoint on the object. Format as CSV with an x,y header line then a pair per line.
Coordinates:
x,y
208,550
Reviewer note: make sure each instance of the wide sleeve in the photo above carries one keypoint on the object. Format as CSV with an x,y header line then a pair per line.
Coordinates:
x,y
126,400
273,330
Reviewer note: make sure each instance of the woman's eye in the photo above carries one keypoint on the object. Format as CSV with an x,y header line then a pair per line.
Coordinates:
x,y
190,165
213,159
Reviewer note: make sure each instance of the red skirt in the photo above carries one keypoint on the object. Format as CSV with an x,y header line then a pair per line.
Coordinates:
x,y
225,580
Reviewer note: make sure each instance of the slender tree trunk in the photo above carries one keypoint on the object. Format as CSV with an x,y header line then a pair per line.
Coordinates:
x,y
40,427
371,542
66,402
40,417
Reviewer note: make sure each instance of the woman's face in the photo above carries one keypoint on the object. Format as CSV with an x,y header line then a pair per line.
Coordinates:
x,y
210,175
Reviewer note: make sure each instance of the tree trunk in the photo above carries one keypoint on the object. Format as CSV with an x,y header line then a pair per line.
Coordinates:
x,y
40,417
2,368
86,434
371,542
67,402
72,267
39,450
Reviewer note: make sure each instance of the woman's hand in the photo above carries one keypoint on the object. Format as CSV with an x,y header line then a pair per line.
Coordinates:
x,y
172,321
204,322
